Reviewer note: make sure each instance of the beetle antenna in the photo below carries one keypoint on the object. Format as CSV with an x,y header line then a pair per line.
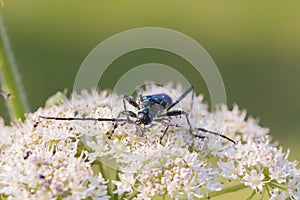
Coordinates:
x,y
203,130
83,119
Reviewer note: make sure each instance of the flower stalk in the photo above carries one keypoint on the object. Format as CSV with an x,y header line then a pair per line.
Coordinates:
x,y
10,79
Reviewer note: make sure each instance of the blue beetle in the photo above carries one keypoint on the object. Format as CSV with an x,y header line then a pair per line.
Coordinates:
x,y
156,107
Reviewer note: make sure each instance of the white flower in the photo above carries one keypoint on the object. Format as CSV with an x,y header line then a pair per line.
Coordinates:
x,y
145,192
126,183
191,189
251,128
254,180
293,187
230,170
276,194
51,159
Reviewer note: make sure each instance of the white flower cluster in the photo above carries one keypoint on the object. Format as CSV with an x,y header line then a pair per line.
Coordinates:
x,y
54,159
44,161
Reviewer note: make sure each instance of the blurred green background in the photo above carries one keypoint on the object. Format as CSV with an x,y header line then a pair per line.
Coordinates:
x,y
256,46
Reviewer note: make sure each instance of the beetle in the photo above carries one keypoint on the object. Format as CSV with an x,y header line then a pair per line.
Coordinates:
x,y
151,108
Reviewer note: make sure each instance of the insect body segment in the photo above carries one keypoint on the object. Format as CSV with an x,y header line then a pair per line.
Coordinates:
x,y
163,100
154,108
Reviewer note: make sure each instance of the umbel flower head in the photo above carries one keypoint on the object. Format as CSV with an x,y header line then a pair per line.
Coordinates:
x,y
61,159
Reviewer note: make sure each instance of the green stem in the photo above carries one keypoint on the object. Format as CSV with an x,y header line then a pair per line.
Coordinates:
x,y
10,79
131,196
251,196
277,185
233,188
